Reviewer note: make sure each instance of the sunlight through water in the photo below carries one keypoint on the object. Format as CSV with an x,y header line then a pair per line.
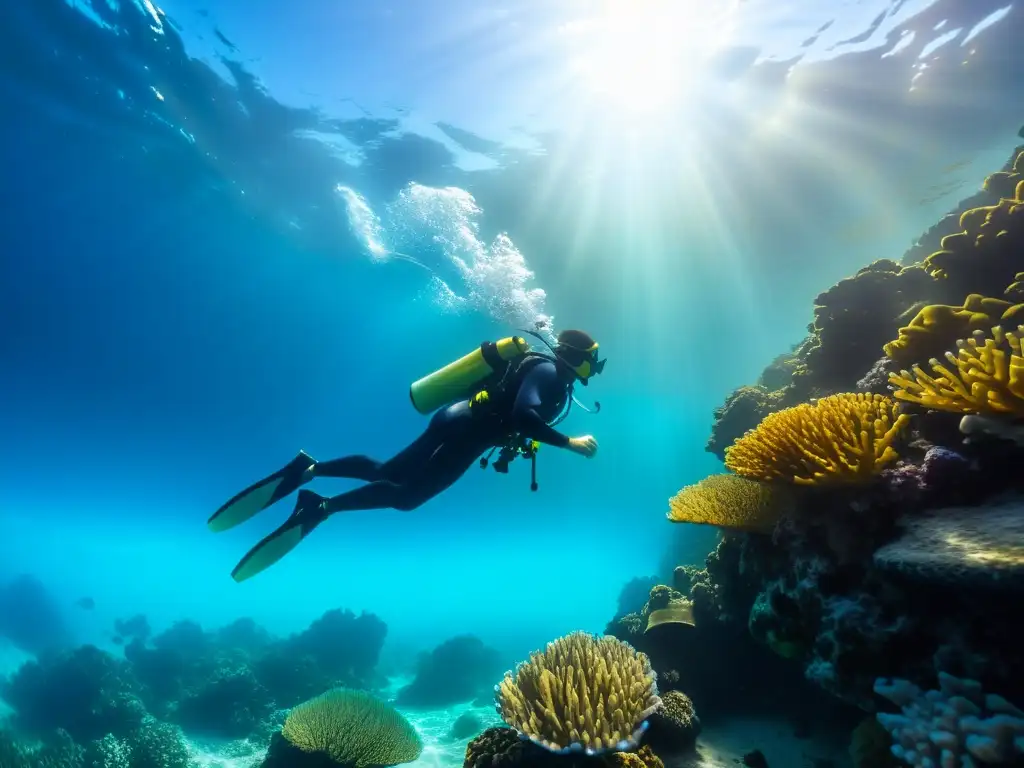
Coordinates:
x,y
643,55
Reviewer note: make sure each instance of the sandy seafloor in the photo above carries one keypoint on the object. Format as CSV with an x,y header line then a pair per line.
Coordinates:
x,y
721,744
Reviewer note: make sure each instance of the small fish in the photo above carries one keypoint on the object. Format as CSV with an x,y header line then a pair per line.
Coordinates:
x,y
117,640
86,603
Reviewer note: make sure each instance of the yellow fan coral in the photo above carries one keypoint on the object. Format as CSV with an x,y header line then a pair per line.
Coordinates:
x,y
728,501
353,729
583,693
846,438
986,377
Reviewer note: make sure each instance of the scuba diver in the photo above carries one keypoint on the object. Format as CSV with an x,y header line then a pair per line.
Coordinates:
x,y
501,396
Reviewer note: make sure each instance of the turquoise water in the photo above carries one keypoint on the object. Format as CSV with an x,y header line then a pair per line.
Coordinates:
x,y
233,231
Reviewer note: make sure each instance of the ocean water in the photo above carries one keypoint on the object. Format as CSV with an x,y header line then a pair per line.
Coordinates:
x,y
232,231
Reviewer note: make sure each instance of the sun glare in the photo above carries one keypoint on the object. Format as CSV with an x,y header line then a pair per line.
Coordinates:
x,y
642,55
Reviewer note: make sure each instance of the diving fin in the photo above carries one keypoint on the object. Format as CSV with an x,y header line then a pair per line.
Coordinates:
x,y
263,493
309,512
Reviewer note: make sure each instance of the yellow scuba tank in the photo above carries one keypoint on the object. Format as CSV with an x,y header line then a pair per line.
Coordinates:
x,y
457,379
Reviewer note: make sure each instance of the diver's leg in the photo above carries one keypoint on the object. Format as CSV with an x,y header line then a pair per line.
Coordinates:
x,y
354,467
443,452
439,471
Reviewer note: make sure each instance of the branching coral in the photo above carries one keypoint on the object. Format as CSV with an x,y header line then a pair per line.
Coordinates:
x,y
986,377
353,728
936,327
583,693
955,725
729,501
846,438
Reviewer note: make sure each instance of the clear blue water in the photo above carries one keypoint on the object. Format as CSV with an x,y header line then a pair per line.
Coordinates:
x,y
233,230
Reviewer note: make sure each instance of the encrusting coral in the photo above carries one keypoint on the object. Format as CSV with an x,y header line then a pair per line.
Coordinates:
x,y
502,748
352,728
978,545
845,438
582,693
985,256
729,501
937,326
986,377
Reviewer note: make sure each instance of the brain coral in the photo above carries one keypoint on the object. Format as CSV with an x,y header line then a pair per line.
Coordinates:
x,y
353,728
582,693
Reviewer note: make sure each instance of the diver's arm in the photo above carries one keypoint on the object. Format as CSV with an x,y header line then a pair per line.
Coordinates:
x,y
538,384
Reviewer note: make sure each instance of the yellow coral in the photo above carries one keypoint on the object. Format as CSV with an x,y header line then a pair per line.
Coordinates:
x,y
667,606
581,692
642,758
353,729
937,326
728,501
991,233
846,438
986,377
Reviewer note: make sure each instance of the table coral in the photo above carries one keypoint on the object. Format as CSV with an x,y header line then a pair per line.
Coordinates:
x,y
978,546
846,438
729,501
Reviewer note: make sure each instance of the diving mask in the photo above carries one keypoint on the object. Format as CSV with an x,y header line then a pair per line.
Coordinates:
x,y
590,365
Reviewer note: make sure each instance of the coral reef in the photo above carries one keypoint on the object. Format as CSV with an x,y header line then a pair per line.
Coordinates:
x,y
674,726
664,606
729,501
903,533
229,683
978,545
60,752
985,256
85,692
956,725
581,693
503,748
459,669
742,410
151,745
351,728
846,438
853,319
30,617
634,592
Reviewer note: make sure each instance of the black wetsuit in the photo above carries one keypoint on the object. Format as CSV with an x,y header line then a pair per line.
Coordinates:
x,y
455,438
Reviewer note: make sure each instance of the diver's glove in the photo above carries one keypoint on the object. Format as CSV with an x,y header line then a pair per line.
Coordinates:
x,y
584,446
